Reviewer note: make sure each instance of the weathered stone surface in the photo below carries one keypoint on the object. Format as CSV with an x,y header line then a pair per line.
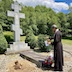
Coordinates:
x,y
16,26
17,47
33,57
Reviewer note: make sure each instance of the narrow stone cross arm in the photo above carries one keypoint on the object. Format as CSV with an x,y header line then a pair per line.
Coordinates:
x,y
21,15
16,7
10,13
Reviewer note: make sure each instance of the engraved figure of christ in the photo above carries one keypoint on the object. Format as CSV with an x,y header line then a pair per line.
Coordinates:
x,y
16,26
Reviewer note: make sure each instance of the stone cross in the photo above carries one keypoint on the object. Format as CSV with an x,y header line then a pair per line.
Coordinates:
x,y
16,26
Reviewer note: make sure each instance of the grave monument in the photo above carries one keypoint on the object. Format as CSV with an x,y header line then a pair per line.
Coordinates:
x,y
16,46
16,26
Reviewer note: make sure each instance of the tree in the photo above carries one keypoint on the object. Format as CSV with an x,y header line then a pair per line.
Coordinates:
x,y
70,8
37,20
69,20
3,42
30,39
41,23
35,29
63,22
4,20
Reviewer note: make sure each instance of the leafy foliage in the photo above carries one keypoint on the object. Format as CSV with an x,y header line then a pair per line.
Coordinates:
x,y
3,42
30,39
38,20
41,44
9,36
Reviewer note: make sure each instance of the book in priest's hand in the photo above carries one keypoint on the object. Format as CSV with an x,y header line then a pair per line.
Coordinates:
x,y
47,42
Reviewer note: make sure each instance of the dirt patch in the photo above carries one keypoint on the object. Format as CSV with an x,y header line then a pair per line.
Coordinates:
x,y
70,70
8,62
67,59
26,66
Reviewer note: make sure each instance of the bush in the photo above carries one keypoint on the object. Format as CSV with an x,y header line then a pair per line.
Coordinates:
x,y
3,42
30,39
35,29
41,43
29,32
9,36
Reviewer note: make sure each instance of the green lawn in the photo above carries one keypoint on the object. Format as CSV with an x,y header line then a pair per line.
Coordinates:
x,y
23,38
64,41
8,33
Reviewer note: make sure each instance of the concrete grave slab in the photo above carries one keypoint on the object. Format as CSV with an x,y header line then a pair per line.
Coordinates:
x,y
33,57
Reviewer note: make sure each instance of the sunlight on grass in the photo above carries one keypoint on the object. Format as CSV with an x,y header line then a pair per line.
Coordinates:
x,y
36,37
23,38
8,33
66,41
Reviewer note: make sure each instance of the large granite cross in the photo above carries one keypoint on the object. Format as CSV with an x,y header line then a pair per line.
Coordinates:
x,y
16,26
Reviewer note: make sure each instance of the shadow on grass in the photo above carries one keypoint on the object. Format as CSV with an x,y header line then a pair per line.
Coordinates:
x,y
39,51
68,38
2,51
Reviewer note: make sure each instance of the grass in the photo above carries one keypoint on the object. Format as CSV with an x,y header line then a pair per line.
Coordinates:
x,y
8,33
23,38
64,41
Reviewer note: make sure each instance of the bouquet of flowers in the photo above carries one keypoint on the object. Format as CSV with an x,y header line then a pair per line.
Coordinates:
x,y
48,61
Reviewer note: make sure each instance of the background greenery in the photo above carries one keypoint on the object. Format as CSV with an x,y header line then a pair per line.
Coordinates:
x,y
3,42
38,20
65,41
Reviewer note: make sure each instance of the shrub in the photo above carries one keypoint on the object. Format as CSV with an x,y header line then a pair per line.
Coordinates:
x,y
9,36
3,42
27,38
41,43
30,39
35,29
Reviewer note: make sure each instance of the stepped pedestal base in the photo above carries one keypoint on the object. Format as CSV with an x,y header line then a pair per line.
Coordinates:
x,y
17,47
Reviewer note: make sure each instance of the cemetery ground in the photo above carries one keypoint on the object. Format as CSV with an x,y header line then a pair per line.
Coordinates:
x,y
7,61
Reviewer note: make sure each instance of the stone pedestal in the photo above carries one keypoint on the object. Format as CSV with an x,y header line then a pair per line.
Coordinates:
x,y
17,47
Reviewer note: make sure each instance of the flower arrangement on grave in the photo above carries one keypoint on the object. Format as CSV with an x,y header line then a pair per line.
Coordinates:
x,y
48,61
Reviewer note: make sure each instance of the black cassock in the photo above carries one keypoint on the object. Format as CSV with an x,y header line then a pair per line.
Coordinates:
x,y
58,52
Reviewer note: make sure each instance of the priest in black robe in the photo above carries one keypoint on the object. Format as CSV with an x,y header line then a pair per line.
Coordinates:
x,y
58,49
